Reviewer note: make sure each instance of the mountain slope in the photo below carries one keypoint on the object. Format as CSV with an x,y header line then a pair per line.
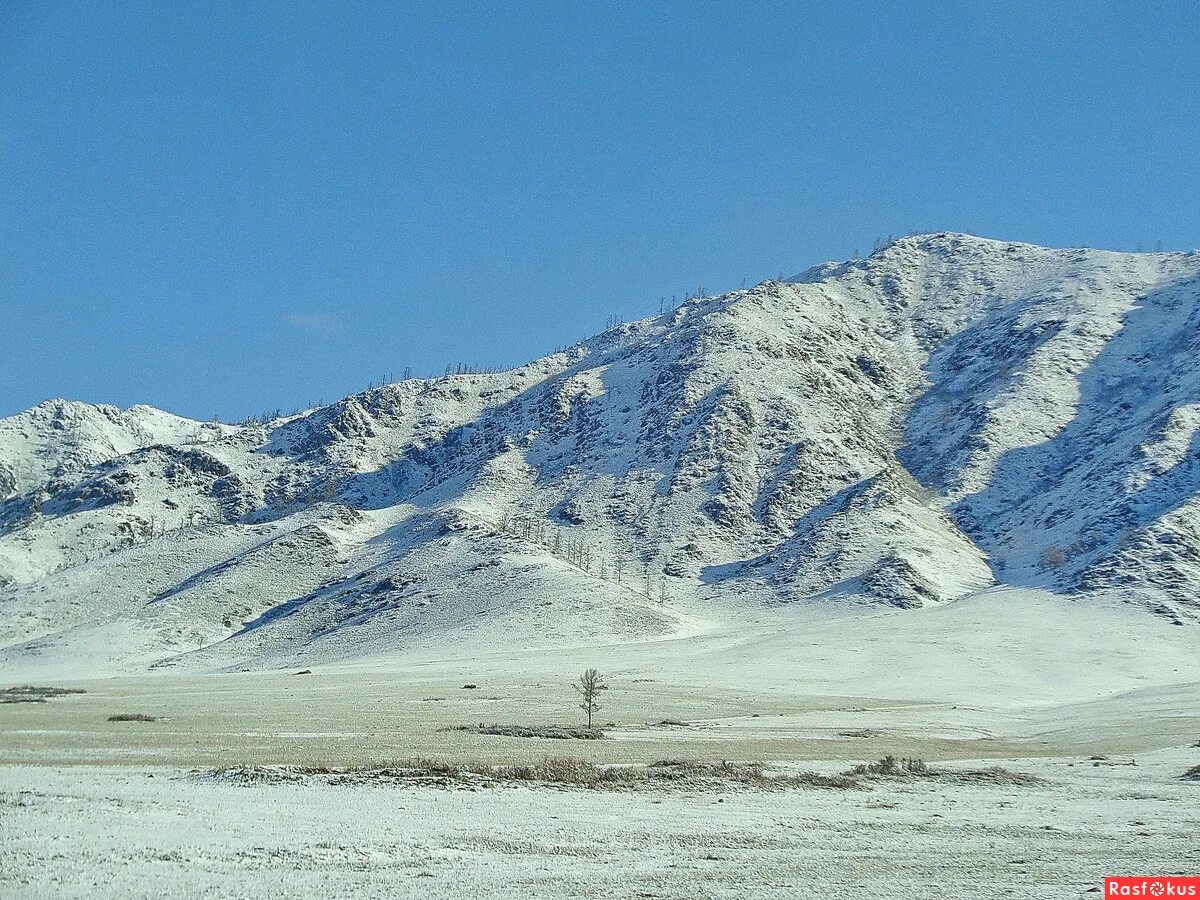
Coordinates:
x,y
904,429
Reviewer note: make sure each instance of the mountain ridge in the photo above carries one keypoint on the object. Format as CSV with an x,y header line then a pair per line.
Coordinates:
x,y
904,430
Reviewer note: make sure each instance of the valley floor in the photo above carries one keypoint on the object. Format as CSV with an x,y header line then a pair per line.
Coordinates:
x,y
91,807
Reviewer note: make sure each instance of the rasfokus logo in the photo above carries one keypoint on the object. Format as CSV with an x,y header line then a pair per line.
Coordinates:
x,y
1152,886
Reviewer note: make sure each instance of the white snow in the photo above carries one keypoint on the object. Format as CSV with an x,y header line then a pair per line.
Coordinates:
x,y
149,833
941,502
900,431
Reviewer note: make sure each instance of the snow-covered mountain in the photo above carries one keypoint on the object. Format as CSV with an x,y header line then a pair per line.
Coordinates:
x,y
900,430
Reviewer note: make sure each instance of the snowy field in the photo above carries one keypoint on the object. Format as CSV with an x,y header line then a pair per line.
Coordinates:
x,y
1033,683
137,832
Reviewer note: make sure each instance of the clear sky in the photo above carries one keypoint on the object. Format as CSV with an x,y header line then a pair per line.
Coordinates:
x,y
228,208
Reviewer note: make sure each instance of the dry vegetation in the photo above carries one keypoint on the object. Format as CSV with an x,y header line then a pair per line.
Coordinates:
x,y
568,771
560,771
894,767
555,732
28,693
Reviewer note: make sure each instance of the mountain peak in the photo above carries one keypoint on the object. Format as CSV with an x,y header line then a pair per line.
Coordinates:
x,y
901,431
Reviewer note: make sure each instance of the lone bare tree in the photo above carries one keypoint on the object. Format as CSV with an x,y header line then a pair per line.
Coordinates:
x,y
590,686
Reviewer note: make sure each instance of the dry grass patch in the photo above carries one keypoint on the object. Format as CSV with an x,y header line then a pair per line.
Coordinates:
x,y
892,767
29,693
910,767
552,732
555,771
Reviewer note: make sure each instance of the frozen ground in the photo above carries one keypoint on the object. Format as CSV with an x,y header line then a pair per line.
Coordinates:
x,y
139,832
1026,680
1003,673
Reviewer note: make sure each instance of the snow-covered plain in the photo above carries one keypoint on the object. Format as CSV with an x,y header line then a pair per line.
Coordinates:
x,y
148,834
1003,674
940,502
1030,681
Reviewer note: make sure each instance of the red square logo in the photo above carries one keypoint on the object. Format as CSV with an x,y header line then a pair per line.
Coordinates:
x,y
1152,887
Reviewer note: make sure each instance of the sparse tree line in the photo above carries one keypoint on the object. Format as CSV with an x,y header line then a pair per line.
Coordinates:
x,y
881,243
573,548
460,368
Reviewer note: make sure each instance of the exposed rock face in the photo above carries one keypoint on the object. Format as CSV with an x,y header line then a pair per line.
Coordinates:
x,y
903,430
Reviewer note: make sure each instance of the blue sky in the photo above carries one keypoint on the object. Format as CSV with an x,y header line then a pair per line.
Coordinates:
x,y
228,208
